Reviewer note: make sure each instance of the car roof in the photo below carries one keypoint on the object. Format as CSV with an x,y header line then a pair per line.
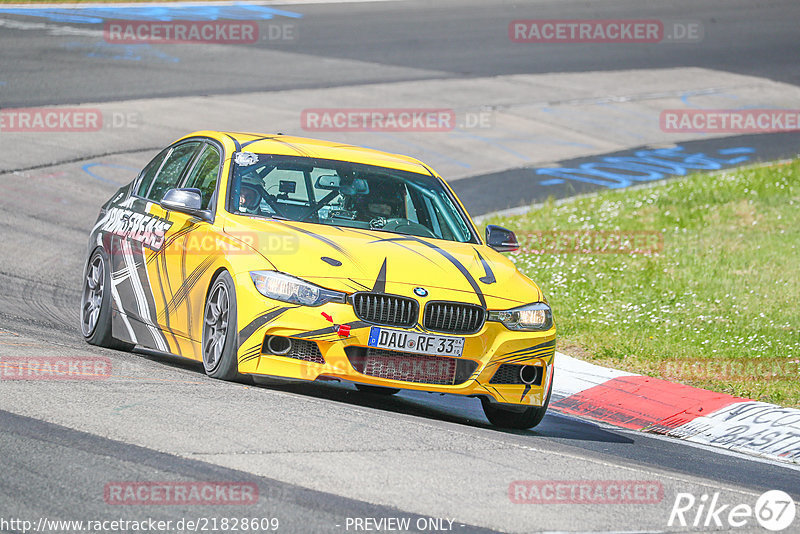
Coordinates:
x,y
314,148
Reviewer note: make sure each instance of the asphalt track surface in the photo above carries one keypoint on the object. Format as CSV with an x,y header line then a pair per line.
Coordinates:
x,y
320,453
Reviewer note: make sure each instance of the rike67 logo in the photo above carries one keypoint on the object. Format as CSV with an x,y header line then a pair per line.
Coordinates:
x,y
774,510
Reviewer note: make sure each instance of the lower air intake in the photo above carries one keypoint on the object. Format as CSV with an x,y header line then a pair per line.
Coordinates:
x,y
300,349
510,374
408,367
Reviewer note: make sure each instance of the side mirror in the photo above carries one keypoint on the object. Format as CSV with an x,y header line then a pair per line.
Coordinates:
x,y
188,201
501,239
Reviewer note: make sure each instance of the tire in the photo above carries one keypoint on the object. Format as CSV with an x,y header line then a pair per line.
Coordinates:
x,y
219,330
96,304
519,420
377,390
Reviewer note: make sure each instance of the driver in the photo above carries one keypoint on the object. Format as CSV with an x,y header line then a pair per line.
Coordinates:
x,y
248,199
386,200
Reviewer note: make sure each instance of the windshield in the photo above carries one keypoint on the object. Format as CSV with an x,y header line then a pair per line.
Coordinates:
x,y
347,194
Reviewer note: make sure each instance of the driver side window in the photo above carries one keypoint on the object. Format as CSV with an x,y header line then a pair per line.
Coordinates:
x,y
204,174
170,174
149,173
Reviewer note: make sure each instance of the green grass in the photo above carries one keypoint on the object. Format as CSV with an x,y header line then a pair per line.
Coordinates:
x,y
725,289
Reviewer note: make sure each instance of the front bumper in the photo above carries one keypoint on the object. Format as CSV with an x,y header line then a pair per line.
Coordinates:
x,y
488,366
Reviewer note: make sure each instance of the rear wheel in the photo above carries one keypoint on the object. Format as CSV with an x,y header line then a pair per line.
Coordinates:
x,y
219,330
96,305
376,390
506,417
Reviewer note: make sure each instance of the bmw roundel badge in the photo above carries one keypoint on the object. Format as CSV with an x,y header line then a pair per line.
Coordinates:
x,y
420,292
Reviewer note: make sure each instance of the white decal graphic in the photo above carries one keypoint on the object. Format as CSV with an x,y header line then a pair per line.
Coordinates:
x,y
145,229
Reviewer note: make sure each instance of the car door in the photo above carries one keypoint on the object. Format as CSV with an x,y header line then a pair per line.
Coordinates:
x,y
182,269
140,230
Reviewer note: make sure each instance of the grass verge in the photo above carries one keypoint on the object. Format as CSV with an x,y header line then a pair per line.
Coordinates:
x,y
717,307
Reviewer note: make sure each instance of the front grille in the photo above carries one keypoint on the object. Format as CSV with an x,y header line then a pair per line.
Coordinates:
x,y
388,310
454,317
509,374
408,367
302,349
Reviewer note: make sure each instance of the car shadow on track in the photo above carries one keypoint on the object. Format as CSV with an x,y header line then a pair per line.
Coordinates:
x,y
452,409
435,406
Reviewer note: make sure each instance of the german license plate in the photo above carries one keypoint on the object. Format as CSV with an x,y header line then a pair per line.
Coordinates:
x,y
416,342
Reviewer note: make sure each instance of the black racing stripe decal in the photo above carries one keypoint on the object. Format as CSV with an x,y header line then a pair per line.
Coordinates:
x,y
170,240
164,301
528,355
150,298
250,354
329,330
457,264
380,282
409,249
321,238
163,295
522,359
140,264
295,147
235,143
182,293
540,347
140,331
354,288
525,392
492,388
185,283
256,140
142,279
356,282
258,322
489,278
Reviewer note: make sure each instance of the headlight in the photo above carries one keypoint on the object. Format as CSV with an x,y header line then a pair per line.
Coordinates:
x,y
287,288
530,317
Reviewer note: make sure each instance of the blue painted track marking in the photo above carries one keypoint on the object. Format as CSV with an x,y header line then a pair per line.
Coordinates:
x,y
87,169
197,12
616,172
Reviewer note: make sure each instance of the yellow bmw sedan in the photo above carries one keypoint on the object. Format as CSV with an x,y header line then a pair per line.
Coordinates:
x,y
304,259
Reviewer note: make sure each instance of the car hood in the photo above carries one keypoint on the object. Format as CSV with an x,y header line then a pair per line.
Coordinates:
x,y
351,260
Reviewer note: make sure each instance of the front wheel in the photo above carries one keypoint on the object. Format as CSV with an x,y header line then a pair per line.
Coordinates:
x,y
96,305
219,330
503,417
